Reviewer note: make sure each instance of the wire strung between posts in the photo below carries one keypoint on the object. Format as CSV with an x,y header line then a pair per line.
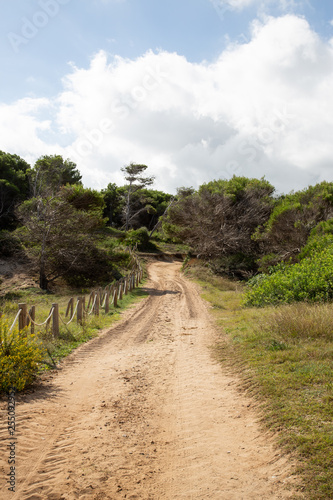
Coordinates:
x,y
103,301
92,307
85,309
66,324
16,317
121,283
46,321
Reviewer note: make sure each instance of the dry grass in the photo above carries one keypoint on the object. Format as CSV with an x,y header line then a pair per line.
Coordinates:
x,y
302,321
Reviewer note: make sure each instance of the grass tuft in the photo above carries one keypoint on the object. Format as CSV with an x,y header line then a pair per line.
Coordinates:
x,y
302,321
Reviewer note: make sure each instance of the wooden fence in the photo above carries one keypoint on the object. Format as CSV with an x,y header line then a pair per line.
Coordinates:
x,y
82,307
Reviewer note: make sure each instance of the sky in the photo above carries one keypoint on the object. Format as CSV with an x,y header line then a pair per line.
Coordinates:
x,y
195,89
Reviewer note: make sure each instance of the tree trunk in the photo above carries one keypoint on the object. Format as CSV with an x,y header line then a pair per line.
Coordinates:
x,y
128,204
43,281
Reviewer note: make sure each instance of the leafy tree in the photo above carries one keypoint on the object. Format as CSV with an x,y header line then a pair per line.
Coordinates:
x,y
59,236
14,187
50,172
114,203
81,198
219,220
294,217
134,175
148,205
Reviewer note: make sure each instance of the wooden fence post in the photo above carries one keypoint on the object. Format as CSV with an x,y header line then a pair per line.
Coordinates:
x,y
115,296
70,307
96,308
107,301
126,286
55,320
32,314
120,290
22,316
79,311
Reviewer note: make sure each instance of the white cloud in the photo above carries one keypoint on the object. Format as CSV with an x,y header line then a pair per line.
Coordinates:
x,y
263,108
239,4
21,125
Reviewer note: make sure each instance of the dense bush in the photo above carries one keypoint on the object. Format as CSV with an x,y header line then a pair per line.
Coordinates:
x,y
94,267
218,221
139,237
10,244
320,238
309,280
238,265
295,217
20,355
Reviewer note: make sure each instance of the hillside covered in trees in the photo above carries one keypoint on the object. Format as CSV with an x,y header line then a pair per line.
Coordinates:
x,y
240,227
68,231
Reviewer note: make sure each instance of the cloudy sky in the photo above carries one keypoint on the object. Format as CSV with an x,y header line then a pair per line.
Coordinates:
x,y
195,89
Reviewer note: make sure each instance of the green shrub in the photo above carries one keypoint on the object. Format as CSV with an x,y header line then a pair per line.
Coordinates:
x,y
94,267
321,237
9,244
268,262
20,355
309,280
237,265
139,237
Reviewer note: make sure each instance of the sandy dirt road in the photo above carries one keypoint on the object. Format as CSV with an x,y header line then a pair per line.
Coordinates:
x,y
143,412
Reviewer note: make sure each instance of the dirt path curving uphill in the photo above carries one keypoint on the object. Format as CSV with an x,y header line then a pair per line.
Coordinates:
x,y
143,412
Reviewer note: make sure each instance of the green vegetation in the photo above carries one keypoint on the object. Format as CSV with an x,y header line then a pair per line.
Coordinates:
x,y
60,238
20,355
284,355
280,247
139,238
293,219
219,220
14,187
309,280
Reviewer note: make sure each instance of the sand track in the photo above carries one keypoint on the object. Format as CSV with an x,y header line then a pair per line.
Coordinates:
x,y
143,412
